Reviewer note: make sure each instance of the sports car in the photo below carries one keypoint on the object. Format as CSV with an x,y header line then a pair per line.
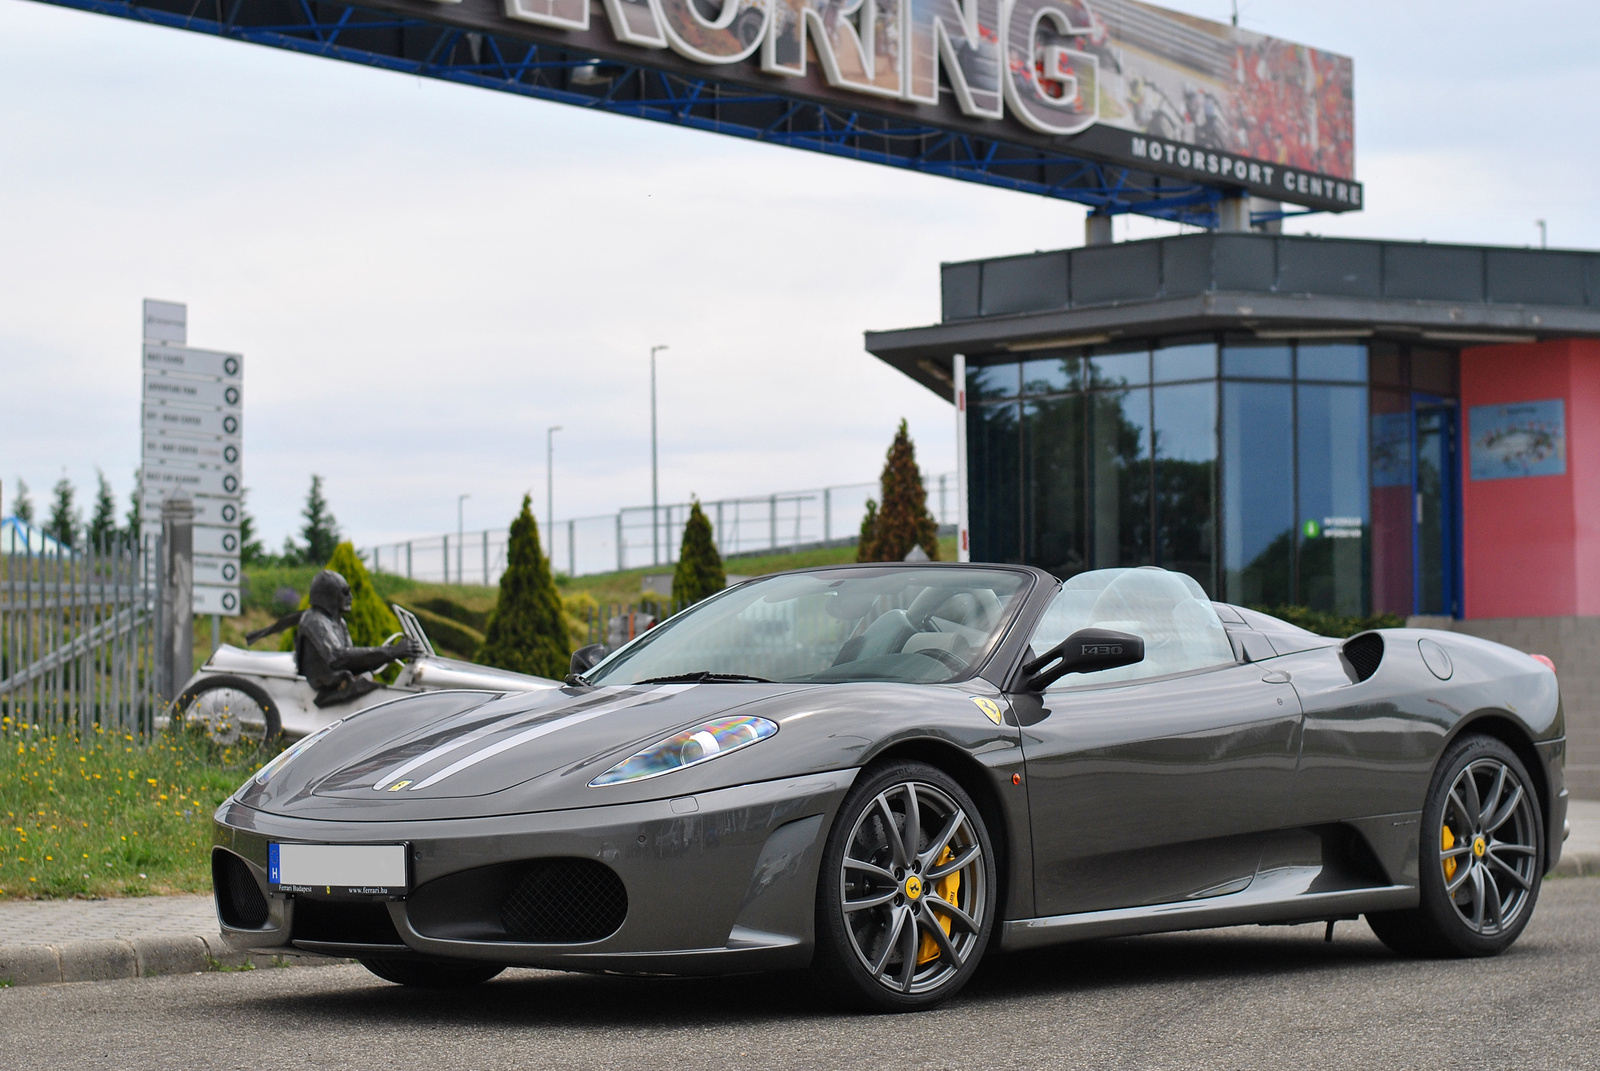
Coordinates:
x,y
884,771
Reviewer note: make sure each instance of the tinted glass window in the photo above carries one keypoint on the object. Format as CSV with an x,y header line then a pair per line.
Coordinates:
x,y
1050,375
1258,492
1119,475
1392,502
1185,474
1266,360
1167,610
1130,369
1052,481
990,381
1333,498
1342,361
994,496
1191,360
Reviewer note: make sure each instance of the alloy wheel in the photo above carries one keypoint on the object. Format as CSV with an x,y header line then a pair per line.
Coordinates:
x,y
1488,846
913,888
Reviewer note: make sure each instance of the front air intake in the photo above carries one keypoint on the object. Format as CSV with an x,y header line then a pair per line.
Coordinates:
x,y
240,901
1364,653
564,901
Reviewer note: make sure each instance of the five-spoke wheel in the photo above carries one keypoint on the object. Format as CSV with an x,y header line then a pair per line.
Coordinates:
x,y
906,899
1481,858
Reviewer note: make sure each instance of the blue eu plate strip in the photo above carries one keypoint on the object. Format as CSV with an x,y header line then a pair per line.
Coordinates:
x,y
272,864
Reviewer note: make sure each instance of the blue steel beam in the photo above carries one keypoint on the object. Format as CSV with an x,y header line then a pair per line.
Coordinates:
x,y
428,49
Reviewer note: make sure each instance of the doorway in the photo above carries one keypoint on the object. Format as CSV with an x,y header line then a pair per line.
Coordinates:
x,y
1435,520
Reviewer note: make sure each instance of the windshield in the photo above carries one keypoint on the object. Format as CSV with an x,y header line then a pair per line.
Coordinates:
x,y
923,625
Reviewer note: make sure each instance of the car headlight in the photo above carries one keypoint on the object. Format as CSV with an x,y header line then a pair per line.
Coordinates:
x,y
264,774
689,748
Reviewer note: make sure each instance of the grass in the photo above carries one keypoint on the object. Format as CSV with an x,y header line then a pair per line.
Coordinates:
x,y
109,816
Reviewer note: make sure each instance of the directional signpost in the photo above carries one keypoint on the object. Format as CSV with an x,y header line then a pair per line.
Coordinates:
x,y
193,437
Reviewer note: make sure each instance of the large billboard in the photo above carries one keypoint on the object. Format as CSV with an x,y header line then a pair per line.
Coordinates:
x,y
1111,80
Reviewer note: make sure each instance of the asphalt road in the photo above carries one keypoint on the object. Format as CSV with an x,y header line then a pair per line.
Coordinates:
x,y
1275,998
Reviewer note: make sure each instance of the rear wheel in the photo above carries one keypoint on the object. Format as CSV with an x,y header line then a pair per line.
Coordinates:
x,y
1482,857
906,898
229,710
432,973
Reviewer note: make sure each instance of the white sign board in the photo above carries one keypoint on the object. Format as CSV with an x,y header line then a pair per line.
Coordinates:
x,y
182,359
166,321
192,446
192,423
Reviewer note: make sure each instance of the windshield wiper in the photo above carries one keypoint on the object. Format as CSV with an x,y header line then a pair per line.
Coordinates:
x,y
705,676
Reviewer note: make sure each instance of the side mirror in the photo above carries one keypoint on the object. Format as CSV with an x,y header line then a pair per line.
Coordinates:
x,y
586,658
1086,651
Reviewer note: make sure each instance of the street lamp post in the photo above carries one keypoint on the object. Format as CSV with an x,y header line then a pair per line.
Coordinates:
x,y
550,489
460,534
655,486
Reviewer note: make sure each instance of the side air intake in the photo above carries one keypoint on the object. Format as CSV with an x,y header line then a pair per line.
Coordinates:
x,y
240,901
1365,654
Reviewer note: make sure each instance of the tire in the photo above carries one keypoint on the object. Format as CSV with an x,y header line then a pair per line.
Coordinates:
x,y
872,889
432,973
1482,857
228,719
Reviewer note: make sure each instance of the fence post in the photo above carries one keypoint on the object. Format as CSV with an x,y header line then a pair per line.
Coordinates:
x,y
620,565
772,520
572,553
408,559
447,559
827,515
486,557
175,647
941,498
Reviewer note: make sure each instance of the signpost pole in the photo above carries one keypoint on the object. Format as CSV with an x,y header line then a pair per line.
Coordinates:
x,y
177,595
958,373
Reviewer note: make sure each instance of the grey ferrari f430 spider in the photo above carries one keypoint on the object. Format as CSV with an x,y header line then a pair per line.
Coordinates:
x,y
883,771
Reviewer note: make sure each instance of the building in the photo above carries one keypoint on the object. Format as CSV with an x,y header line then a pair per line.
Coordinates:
x,y
1354,426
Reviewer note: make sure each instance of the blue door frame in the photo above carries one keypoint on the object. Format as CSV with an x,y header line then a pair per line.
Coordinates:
x,y
1436,557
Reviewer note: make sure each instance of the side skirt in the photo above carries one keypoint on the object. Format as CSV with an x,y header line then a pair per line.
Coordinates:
x,y
1265,901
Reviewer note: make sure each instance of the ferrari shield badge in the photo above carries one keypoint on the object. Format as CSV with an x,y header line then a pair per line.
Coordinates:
x,y
990,708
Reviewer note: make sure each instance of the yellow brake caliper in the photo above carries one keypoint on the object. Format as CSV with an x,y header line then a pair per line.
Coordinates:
x,y
1447,840
947,889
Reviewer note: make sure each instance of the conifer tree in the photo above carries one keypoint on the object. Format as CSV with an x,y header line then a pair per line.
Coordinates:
x,y
869,528
103,525
250,550
22,505
903,520
699,573
526,632
135,514
321,531
64,517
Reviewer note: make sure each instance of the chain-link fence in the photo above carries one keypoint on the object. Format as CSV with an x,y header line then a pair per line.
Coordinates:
x,y
639,537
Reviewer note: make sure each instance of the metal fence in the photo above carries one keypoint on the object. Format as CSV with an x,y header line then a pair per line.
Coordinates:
x,y
77,641
637,537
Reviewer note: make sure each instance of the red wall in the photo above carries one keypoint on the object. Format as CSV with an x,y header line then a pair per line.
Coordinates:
x,y
1532,545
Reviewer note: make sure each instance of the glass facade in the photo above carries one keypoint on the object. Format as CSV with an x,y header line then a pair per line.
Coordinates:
x,y
1274,472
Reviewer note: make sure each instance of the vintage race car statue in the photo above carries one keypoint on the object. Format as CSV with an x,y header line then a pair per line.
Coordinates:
x,y
881,771
242,694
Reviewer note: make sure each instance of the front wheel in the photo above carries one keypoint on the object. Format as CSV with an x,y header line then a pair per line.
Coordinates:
x,y
907,895
1482,857
432,973
229,710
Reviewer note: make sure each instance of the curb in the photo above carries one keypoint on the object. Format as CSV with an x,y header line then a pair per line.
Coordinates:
x,y
138,957
1577,865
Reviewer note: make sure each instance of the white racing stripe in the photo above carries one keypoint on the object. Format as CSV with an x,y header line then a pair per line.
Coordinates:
x,y
456,744
545,729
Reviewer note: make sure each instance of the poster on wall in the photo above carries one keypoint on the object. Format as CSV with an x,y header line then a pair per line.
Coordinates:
x,y
1523,439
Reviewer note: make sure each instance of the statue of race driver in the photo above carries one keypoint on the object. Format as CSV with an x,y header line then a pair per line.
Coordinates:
x,y
323,653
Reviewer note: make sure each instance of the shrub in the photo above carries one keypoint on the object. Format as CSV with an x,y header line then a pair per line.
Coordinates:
x,y
527,632
869,527
1324,623
699,573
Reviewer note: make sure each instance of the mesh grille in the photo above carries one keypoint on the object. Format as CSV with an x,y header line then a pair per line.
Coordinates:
x,y
564,901
239,899
1365,652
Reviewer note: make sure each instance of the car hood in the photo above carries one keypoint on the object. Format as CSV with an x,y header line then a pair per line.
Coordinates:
x,y
444,754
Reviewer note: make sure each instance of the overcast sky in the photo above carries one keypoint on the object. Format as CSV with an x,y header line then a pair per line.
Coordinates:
x,y
423,277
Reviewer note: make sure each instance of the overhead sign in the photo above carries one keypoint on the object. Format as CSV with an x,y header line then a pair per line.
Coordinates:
x,y
1114,80
192,446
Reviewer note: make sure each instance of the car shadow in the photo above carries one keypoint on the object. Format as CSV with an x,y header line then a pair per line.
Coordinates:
x,y
522,998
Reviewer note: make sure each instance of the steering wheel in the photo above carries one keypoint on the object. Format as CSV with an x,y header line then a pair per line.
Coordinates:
x,y
939,654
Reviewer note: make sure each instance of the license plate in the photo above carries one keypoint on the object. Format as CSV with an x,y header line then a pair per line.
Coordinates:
x,y
337,869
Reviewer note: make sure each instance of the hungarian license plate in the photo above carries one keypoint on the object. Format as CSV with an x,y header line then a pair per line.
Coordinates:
x,y
337,869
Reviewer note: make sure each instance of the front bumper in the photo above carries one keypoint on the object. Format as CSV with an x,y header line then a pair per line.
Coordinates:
x,y
719,882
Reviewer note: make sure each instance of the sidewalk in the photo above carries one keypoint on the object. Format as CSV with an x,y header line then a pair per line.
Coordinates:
x,y
44,941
